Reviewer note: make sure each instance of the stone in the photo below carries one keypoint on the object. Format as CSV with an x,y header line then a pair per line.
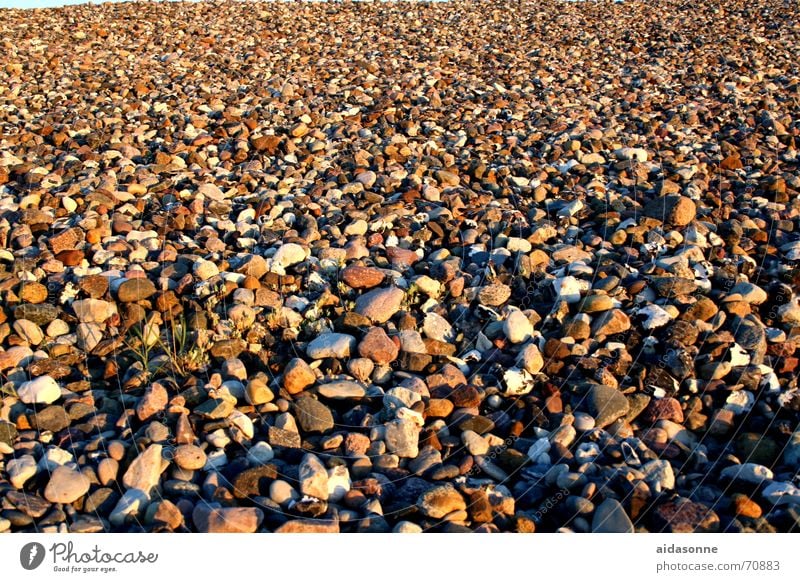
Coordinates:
x,y
379,305
66,485
748,472
517,328
288,254
605,404
15,356
257,392
341,390
359,277
441,500
89,335
684,516
610,517
568,289
339,483
254,482
137,289
189,457
153,402
41,390
673,209
205,270
93,310
298,375
260,453
145,470
28,331
226,519
331,345
611,322
313,416
308,526
53,418
313,477
20,470
438,328
378,347
32,292
402,438
494,295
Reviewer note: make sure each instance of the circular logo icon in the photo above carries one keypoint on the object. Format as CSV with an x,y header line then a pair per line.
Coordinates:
x,y
31,555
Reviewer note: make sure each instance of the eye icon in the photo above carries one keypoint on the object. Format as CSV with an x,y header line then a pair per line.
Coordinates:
x,y
31,555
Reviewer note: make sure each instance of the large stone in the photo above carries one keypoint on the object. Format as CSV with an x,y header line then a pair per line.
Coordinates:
x,y
684,516
313,477
66,485
136,289
604,403
145,470
379,305
313,416
441,500
378,347
42,390
673,209
93,310
610,517
359,277
402,438
298,375
331,345
226,519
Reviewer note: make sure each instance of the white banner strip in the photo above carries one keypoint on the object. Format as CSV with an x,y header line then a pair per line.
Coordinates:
x,y
345,558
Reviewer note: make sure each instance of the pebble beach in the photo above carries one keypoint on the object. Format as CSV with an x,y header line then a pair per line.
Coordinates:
x,y
465,266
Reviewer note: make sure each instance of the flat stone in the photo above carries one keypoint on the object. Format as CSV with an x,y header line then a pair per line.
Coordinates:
x,y
189,457
331,345
341,390
137,289
359,277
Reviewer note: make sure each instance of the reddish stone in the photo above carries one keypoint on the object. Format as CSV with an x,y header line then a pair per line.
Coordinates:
x,y
66,240
684,516
378,347
448,376
70,258
401,257
359,277
663,409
